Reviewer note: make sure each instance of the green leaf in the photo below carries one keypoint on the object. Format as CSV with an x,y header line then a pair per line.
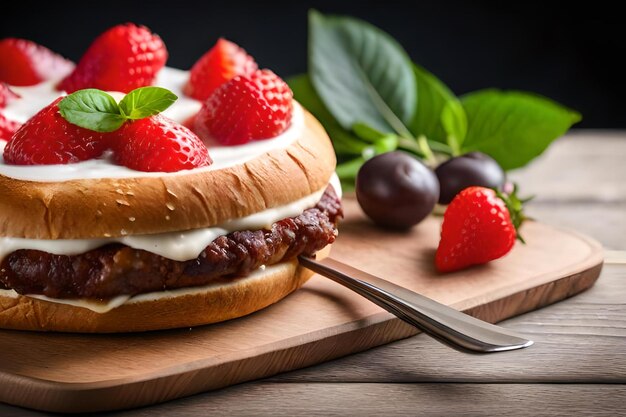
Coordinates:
x,y
433,97
368,133
385,144
513,127
454,122
344,141
146,101
96,110
361,73
92,109
347,171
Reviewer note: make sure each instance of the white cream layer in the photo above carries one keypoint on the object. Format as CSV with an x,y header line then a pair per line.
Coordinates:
x,y
178,246
35,98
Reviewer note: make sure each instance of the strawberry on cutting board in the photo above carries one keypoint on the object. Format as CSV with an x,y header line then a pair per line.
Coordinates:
x,y
478,227
220,64
246,108
123,58
24,63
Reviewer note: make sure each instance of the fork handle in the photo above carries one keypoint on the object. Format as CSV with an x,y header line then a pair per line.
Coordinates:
x,y
451,327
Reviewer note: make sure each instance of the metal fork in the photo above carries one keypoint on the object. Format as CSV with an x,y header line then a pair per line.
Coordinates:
x,y
447,325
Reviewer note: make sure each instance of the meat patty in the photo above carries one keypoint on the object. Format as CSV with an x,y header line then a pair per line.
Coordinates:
x,y
117,269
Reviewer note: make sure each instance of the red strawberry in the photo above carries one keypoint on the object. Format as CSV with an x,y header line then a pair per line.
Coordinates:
x,y
245,109
477,228
47,138
223,62
6,95
123,58
159,144
26,63
7,127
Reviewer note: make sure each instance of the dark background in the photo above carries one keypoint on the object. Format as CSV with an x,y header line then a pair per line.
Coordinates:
x,y
570,54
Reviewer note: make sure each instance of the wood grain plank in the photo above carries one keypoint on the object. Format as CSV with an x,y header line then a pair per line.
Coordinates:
x,y
327,399
583,166
579,184
579,340
362,399
605,222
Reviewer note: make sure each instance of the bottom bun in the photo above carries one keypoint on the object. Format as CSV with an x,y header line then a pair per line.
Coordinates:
x,y
186,308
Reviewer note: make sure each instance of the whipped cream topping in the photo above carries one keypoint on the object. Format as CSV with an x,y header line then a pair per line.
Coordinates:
x,y
35,98
32,99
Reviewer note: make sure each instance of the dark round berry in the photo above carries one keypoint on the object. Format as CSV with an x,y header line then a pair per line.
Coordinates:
x,y
474,168
396,190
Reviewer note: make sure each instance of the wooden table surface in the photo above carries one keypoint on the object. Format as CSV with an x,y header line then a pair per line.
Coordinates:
x,y
576,367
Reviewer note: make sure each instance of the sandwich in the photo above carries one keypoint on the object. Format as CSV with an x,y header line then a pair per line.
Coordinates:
x,y
137,206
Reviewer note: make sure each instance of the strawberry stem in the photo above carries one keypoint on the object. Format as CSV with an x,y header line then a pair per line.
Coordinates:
x,y
515,206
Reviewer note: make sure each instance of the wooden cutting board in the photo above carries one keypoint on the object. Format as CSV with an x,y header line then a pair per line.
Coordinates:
x,y
321,321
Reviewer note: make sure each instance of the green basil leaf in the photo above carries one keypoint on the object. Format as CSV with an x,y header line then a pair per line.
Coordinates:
x,y
92,109
361,73
146,101
513,127
433,97
454,122
344,141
